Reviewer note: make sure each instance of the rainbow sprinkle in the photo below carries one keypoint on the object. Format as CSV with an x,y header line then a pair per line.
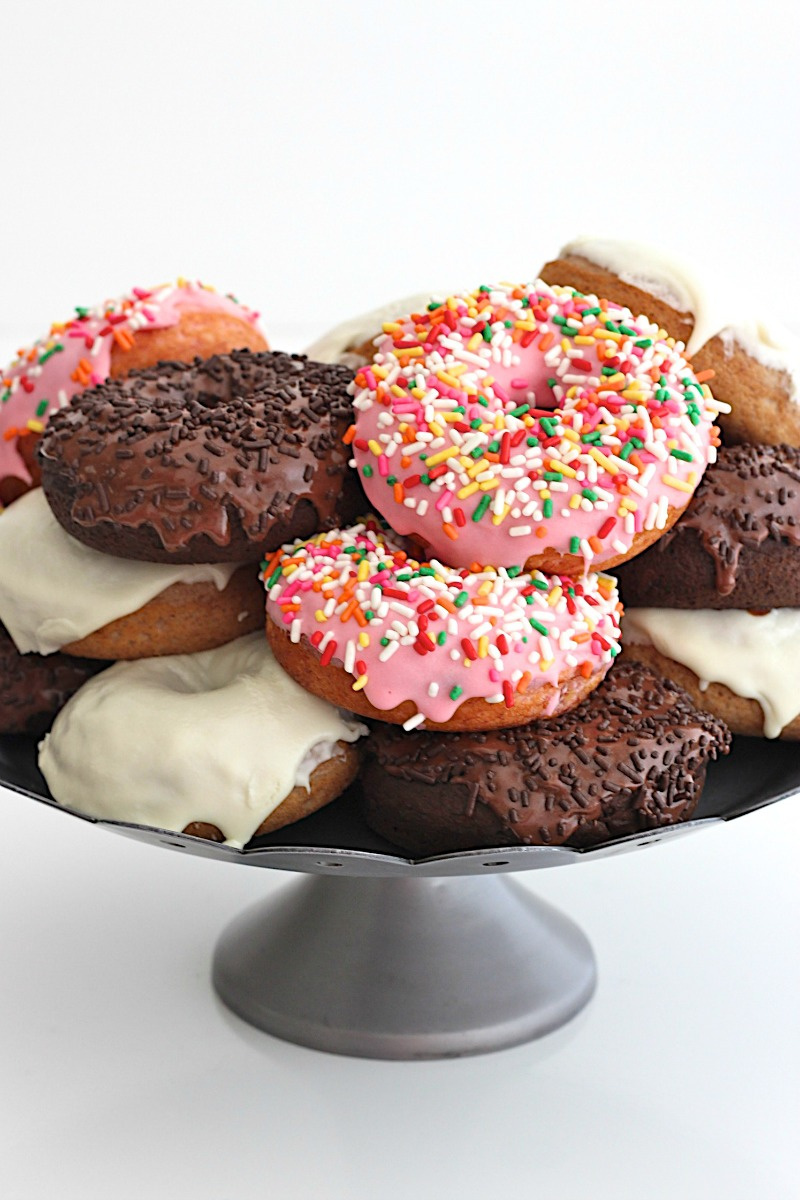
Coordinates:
x,y
450,635
518,418
76,354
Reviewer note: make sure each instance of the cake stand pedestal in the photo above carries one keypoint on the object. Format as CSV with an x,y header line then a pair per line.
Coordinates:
x,y
405,968
379,955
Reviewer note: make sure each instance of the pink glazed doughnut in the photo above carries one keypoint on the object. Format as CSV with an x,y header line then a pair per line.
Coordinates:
x,y
174,322
531,425
358,622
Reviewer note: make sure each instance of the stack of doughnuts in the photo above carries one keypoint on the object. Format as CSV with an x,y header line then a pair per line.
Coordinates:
x,y
515,442
442,507
162,489
715,604
753,359
180,321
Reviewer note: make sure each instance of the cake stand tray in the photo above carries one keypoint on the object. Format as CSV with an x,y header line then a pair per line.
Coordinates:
x,y
380,955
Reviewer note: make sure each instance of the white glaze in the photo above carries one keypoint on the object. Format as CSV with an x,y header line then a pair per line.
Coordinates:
x,y
54,590
222,736
753,656
662,275
332,346
769,343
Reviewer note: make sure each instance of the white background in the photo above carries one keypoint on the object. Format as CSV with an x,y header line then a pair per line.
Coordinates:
x,y
318,160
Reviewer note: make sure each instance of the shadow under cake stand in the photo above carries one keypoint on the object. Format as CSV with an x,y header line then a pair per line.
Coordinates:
x,y
382,956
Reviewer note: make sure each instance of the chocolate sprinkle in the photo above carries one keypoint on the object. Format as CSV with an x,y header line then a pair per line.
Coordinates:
x,y
733,547
126,466
631,757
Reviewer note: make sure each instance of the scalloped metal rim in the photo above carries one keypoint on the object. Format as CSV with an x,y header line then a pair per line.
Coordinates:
x,y
324,859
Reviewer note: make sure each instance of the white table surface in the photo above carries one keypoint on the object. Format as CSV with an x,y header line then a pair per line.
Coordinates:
x,y
124,1077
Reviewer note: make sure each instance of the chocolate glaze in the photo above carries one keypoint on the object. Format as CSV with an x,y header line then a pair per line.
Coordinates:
x,y
734,546
221,460
33,687
632,757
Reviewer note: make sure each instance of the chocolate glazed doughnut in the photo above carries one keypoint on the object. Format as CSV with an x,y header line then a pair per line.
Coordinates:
x,y
221,461
736,544
632,757
33,687
180,322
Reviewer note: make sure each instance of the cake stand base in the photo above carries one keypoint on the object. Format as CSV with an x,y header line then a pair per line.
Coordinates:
x,y
404,968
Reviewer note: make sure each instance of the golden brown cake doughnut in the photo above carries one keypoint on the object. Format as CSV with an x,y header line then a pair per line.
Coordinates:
x,y
353,618
334,684
183,619
662,286
326,783
736,663
56,593
579,272
741,714
756,370
196,335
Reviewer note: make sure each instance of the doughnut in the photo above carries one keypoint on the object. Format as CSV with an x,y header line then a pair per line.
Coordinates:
x,y
179,321
739,665
34,688
351,343
630,758
756,367
643,279
183,619
223,739
219,461
736,546
530,425
354,619
58,594
715,605
754,363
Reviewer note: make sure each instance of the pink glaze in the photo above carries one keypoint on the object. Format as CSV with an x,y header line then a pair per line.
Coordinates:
x,y
77,354
434,635
531,371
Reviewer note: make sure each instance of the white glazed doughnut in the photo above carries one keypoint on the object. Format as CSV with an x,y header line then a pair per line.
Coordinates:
x,y
348,342
55,591
756,371
222,737
726,659
646,279
530,424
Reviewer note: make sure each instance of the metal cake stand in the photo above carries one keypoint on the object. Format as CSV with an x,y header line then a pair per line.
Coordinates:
x,y
382,956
